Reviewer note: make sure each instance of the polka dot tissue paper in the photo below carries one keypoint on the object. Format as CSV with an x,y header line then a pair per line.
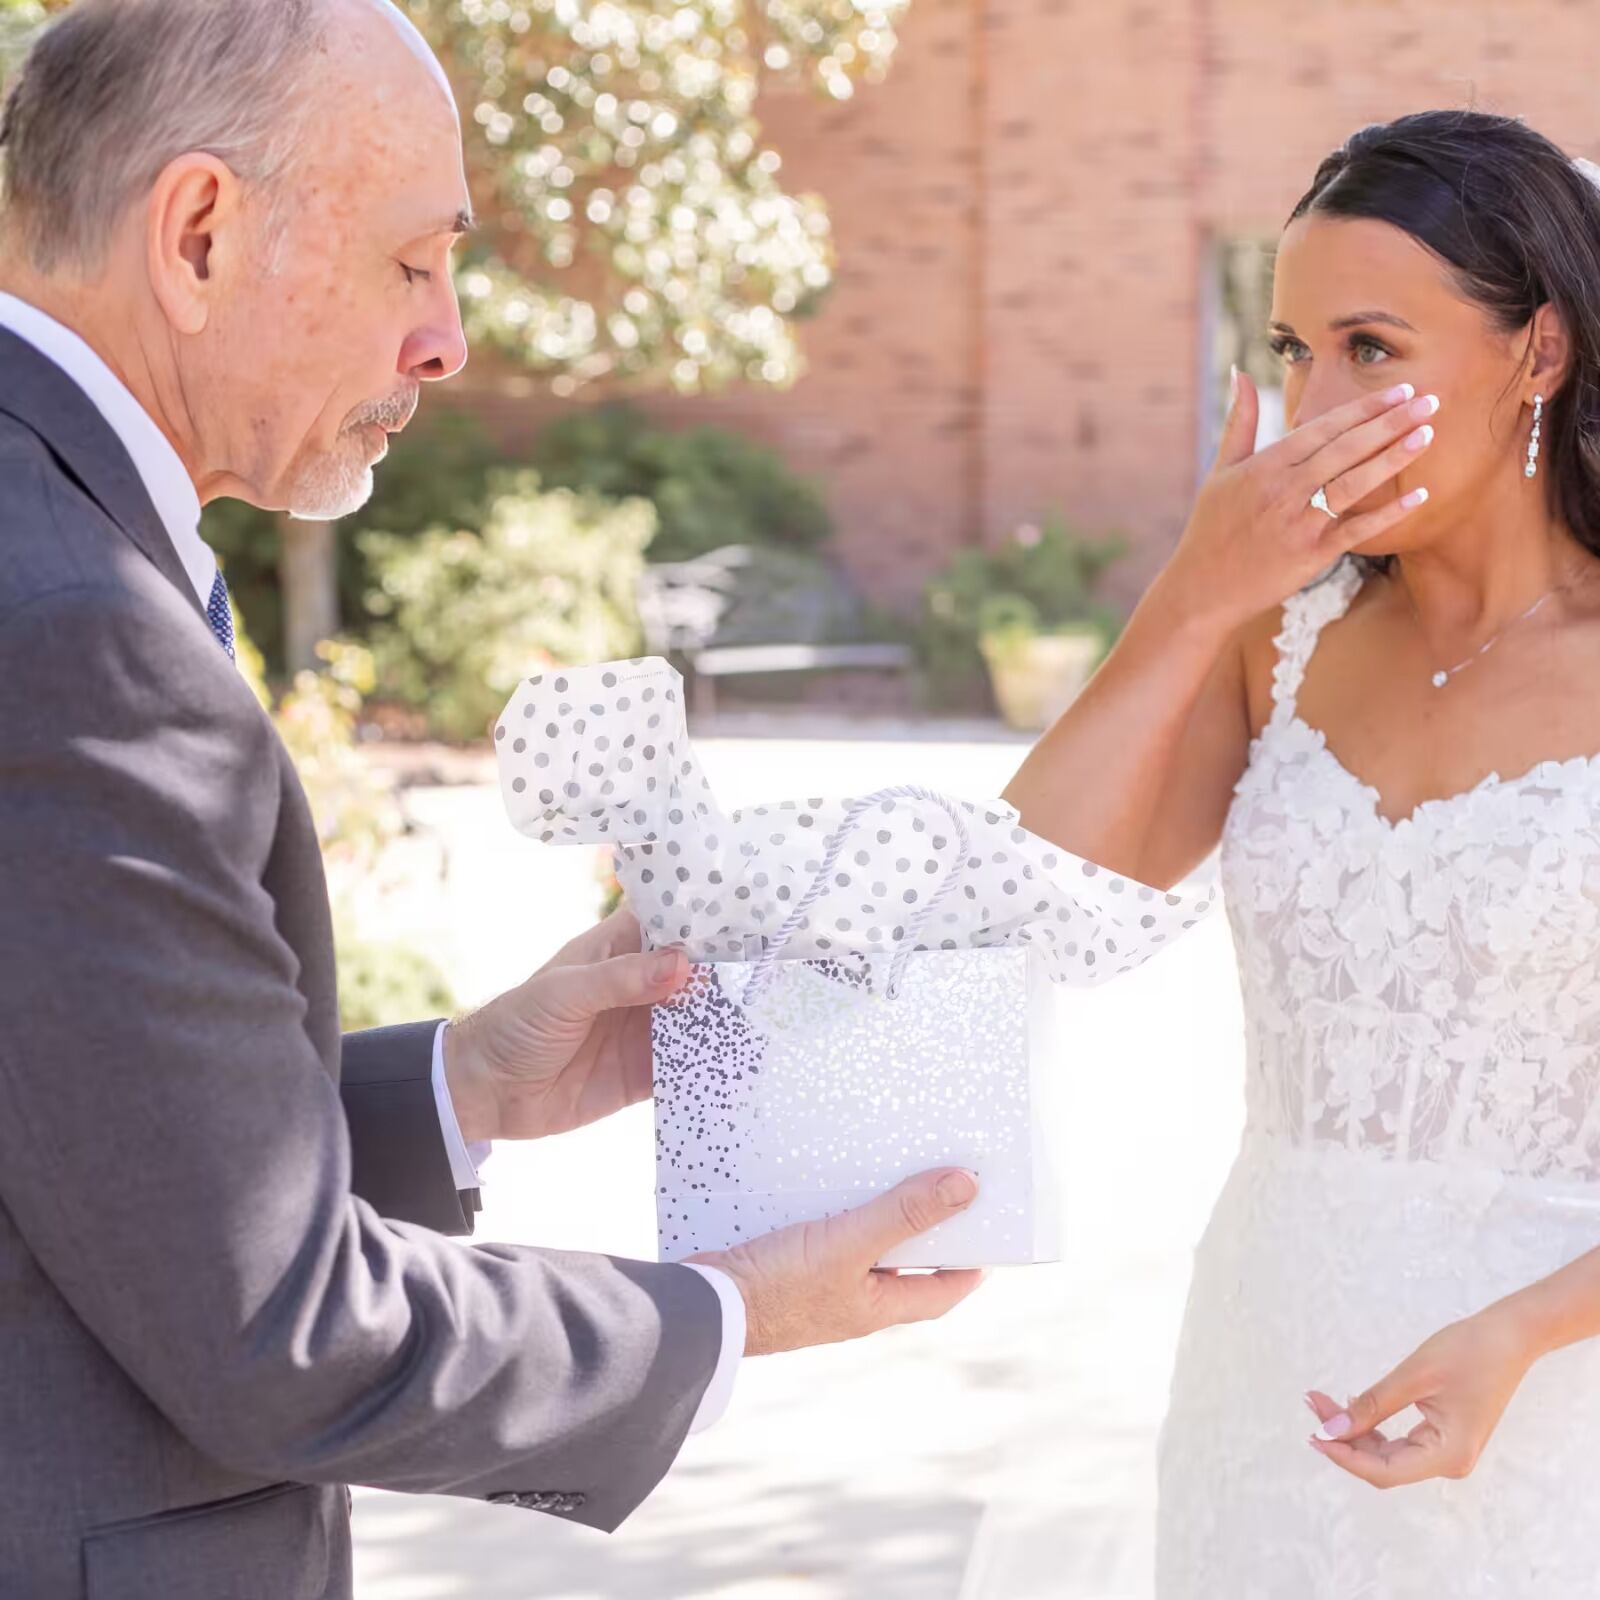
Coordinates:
x,y
870,997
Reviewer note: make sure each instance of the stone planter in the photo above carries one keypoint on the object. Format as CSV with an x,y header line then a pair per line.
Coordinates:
x,y
1037,676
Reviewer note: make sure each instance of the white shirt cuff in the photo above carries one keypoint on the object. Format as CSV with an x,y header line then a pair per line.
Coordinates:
x,y
717,1397
465,1159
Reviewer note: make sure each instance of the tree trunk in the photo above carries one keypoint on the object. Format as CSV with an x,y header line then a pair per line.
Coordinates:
x,y
309,578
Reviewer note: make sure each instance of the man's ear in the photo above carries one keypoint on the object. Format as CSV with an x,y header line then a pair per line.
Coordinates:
x,y
1549,354
194,202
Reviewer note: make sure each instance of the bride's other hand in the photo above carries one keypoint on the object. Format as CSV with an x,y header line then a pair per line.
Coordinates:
x,y
1461,1380
1254,537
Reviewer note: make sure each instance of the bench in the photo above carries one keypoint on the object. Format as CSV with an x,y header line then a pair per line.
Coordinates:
x,y
686,607
746,660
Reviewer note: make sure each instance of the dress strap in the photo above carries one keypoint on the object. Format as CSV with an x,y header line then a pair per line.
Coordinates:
x,y
1305,615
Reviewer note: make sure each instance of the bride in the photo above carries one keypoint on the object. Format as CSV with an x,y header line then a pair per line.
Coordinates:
x,y
1399,764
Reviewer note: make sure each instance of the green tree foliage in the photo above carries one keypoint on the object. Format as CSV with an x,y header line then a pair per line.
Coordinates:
x,y
463,614
710,487
636,226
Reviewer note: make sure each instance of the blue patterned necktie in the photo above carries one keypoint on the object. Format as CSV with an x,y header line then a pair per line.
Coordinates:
x,y
220,615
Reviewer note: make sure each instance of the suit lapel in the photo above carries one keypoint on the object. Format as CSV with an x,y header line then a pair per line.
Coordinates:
x,y
39,395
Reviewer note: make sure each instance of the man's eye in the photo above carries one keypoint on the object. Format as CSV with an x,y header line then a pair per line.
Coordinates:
x,y
415,274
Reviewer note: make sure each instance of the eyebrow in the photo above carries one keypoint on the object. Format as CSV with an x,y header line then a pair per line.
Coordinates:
x,y
1355,320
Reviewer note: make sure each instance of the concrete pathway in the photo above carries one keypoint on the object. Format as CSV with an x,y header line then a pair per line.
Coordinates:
x,y
1003,1454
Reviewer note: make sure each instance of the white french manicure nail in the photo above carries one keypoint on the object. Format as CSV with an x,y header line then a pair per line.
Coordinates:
x,y
1426,406
1421,438
1401,392
1417,497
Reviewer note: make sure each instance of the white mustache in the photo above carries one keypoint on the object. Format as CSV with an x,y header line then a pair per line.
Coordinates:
x,y
391,413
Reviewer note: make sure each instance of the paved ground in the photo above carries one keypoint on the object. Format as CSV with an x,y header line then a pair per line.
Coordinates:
x,y
1004,1454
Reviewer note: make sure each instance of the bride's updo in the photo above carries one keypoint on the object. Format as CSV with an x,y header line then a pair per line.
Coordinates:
x,y
1519,223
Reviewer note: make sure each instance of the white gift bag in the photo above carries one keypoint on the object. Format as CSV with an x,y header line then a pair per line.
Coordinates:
x,y
789,1090
823,1092
869,995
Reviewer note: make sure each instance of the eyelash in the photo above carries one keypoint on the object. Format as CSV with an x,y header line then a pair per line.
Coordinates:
x,y
1282,344
415,275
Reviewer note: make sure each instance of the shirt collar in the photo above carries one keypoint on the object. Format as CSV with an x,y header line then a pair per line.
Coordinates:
x,y
159,466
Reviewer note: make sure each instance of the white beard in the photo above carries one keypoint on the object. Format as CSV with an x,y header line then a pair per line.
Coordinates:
x,y
329,489
335,485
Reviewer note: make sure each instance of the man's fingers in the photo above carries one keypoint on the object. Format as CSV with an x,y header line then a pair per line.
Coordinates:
x,y
617,935
924,1297
643,979
909,1209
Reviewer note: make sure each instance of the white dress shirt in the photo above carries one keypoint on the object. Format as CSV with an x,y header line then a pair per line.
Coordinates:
x,y
173,495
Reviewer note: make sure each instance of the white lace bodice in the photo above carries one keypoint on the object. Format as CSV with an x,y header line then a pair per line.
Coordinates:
x,y
1428,988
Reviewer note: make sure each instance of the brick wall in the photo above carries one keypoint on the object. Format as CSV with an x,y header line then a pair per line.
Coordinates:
x,y
1023,213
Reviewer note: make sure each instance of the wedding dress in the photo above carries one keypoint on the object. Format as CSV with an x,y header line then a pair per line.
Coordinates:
x,y
1422,1003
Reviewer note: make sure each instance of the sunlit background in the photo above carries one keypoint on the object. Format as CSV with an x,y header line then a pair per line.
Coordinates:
x,y
864,359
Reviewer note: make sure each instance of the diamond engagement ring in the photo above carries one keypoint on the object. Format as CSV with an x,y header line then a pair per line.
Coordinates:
x,y
1320,501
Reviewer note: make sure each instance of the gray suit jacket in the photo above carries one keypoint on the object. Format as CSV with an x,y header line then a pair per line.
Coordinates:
x,y
221,1298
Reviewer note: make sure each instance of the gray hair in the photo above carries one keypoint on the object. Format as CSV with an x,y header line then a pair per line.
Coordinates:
x,y
114,90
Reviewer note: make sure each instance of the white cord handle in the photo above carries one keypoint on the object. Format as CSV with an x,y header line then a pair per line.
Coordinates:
x,y
830,858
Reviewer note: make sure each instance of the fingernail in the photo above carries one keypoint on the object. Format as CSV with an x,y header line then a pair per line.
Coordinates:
x,y
1334,1428
1311,1406
1233,383
1416,497
958,1189
1400,392
1420,439
1425,407
664,966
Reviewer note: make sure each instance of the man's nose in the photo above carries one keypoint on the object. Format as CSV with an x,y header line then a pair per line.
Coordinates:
x,y
438,349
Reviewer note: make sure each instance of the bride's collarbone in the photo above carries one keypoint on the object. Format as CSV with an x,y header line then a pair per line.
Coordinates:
x,y
1371,695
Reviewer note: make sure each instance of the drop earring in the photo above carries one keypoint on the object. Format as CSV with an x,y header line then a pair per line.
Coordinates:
x,y
1532,467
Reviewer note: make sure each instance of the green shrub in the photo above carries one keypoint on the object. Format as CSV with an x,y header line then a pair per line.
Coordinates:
x,y
1039,580
436,474
382,983
463,615
710,487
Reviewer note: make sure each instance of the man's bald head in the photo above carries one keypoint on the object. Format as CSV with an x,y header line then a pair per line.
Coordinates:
x,y
116,89
250,207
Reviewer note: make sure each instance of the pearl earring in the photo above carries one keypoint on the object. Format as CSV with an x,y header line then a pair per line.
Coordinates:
x,y
1533,443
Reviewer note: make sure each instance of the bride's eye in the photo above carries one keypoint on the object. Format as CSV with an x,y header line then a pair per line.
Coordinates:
x,y
1367,352
1287,348
415,275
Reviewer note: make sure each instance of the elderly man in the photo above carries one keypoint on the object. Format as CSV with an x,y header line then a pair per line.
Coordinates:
x,y
225,270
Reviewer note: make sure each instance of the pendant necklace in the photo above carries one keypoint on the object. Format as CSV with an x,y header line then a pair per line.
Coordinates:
x,y
1444,675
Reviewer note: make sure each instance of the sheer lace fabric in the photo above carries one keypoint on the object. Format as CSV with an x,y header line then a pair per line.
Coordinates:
x,y
1422,1003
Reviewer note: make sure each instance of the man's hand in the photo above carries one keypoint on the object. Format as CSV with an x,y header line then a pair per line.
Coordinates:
x,y
568,1047
816,1283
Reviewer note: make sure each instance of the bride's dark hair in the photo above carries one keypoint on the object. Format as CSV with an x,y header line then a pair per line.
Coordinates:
x,y
1520,226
